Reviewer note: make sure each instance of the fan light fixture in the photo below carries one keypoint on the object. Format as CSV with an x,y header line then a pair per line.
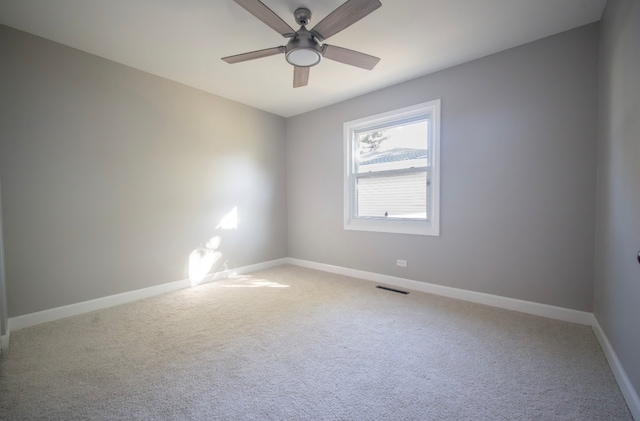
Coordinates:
x,y
303,49
303,57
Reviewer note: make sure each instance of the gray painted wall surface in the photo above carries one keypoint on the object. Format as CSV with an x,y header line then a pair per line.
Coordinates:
x,y
112,177
617,291
4,317
519,136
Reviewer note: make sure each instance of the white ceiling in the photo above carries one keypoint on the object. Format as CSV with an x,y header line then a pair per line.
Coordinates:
x,y
183,40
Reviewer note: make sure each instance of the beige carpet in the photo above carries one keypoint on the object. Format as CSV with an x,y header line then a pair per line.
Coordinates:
x,y
296,344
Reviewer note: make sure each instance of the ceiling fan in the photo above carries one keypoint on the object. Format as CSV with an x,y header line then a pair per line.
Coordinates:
x,y
305,48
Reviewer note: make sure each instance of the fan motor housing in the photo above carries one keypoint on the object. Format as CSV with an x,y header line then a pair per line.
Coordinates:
x,y
303,50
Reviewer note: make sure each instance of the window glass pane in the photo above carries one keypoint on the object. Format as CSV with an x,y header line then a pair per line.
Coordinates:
x,y
390,148
394,196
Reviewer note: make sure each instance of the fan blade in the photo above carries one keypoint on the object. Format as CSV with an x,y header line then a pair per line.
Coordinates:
x,y
253,55
266,15
350,57
343,17
300,76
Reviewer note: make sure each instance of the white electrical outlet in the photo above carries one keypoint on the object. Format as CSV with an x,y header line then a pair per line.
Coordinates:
x,y
401,263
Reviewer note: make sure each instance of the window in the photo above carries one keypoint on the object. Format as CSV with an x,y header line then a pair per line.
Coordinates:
x,y
392,177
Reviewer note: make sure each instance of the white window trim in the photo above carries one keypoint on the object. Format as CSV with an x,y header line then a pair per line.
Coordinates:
x,y
428,227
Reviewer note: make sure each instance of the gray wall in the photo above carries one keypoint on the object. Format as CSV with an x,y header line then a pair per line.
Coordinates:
x,y
617,288
518,175
112,177
4,317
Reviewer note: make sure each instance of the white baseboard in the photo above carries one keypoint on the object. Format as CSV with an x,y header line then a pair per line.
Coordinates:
x,y
544,310
627,389
569,315
27,320
32,319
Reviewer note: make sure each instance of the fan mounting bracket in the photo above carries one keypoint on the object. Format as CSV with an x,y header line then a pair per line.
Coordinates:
x,y
303,16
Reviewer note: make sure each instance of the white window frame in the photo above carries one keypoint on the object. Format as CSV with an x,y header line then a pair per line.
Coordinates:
x,y
430,226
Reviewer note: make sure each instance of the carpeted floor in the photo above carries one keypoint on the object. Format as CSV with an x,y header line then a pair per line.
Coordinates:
x,y
295,344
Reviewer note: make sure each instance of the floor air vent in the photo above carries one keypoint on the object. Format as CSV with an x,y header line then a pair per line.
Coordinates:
x,y
393,290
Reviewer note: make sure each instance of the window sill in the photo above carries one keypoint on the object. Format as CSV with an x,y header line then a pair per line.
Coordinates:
x,y
394,227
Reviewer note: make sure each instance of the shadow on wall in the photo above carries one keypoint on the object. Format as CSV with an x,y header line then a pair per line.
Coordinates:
x,y
204,257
